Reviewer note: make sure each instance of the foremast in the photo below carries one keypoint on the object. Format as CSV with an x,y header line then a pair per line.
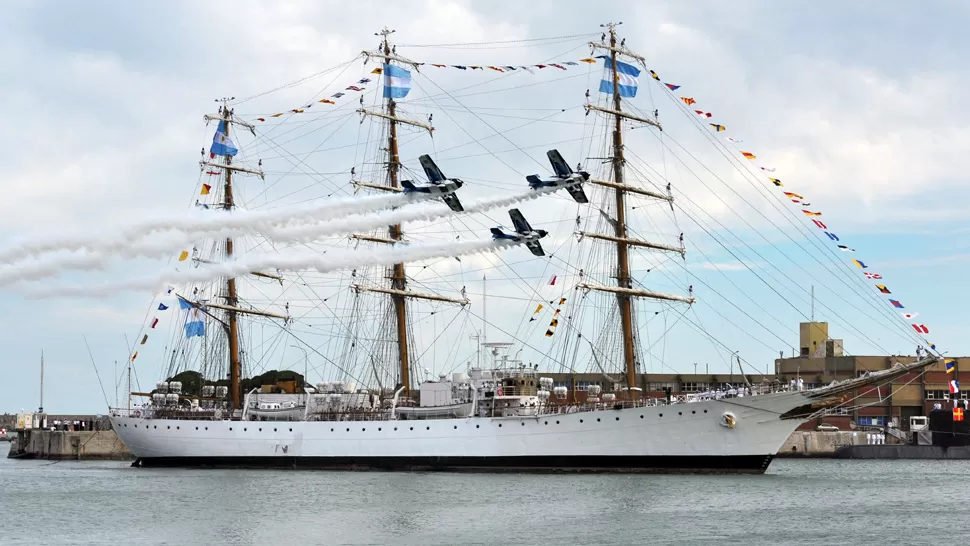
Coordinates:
x,y
624,289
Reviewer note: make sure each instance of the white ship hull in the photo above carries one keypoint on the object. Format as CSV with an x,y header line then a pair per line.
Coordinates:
x,y
688,437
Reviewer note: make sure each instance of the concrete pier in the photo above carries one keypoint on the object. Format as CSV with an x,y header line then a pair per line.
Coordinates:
x,y
827,444
67,445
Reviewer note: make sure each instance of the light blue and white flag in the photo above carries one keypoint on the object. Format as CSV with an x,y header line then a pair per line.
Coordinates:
x,y
221,143
627,78
397,82
194,319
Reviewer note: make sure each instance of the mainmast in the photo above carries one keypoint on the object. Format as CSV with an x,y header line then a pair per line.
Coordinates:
x,y
398,290
235,364
624,290
398,280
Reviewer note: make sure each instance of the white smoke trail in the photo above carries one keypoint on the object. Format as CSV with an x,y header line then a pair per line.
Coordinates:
x,y
203,223
324,263
167,243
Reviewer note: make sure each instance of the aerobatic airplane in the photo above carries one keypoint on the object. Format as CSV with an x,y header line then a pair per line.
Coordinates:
x,y
564,178
440,185
523,233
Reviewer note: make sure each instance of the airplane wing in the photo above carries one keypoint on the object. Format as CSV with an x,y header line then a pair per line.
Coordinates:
x,y
435,176
452,201
519,221
577,193
558,163
535,248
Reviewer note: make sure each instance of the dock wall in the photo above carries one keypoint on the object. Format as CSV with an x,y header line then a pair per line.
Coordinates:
x,y
68,445
827,444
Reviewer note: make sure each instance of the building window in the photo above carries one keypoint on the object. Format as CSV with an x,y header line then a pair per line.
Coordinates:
x,y
661,386
691,386
584,385
872,421
938,395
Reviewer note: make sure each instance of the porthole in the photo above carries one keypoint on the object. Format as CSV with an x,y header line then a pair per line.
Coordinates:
x,y
523,423
261,429
693,412
547,422
456,427
705,411
378,429
395,428
274,430
230,429
207,428
363,430
500,425
661,415
476,426
245,429
680,413
427,428
291,430
156,426
196,428
168,427
641,417
412,428
348,430
580,420
331,430
617,418
597,419
557,422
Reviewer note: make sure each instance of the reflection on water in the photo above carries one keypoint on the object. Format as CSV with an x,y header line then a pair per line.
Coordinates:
x,y
797,502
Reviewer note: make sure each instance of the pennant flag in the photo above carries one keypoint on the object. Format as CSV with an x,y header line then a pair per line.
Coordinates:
x,y
559,66
562,301
221,143
397,82
144,339
832,236
548,333
377,70
652,73
194,320
672,87
844,248
536,313
154,322
810,213
688,100
703,113
553,281
162,307
791,195
873,276
717,127
859,264
882,288
626,78
592,61
820,224
768,169
459,67
921,328
170,289
297,110
353,88
957,413
260,119
184,256
910,315
954,386
134,356
950,365
326,101
338,95
206,188
554,322
776,182
363,80
749,155
896,304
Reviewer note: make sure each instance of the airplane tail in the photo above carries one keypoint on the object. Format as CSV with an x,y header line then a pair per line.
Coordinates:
x,y
435,175
559,165
497,232
534,180
407,184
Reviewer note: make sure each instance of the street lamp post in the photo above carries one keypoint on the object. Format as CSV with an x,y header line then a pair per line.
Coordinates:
x,y
305,359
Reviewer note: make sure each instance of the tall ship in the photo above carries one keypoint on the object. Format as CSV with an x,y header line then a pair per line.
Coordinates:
x,y
399,294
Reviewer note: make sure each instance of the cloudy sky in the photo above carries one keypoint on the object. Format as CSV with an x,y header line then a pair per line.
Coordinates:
x,y
858,107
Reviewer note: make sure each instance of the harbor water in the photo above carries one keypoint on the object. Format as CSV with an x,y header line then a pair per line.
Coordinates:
x,y
810,501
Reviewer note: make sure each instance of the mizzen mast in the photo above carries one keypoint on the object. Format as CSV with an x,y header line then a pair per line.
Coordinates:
x,y
624,289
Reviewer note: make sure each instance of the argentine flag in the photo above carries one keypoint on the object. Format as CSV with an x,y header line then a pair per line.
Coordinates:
x,y
397,82
194,319
627,77
221,143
